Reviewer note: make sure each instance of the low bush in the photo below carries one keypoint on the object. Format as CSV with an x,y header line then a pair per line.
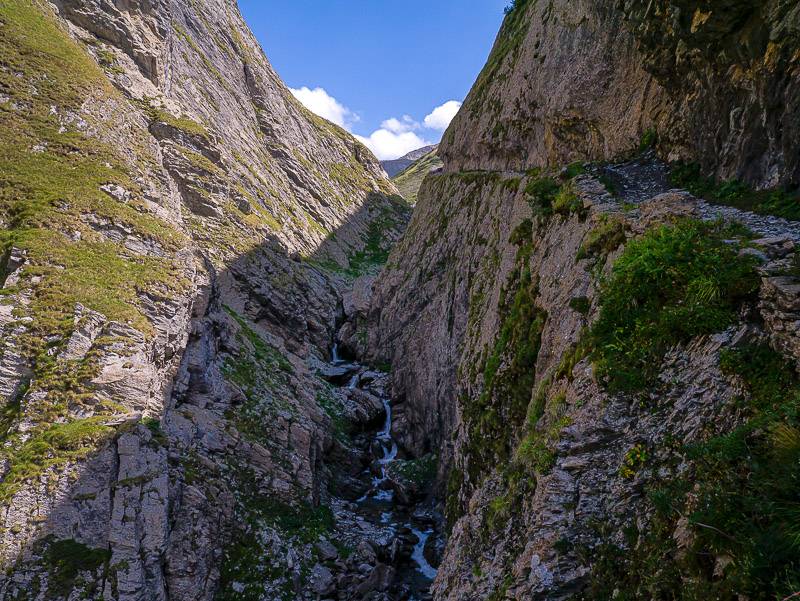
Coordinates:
x,y
675,283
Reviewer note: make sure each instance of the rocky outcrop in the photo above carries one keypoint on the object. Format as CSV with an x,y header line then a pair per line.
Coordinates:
x,y
717,84
179,234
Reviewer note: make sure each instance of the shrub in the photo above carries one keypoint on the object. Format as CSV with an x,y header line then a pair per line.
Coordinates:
x,y
66,560
581,304
675,283
743,504
634,459
541,192
648,141
574,170
509,374
606,237
567,201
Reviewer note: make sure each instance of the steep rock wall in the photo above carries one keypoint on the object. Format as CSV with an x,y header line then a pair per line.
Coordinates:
x,y
547,470
586,80
177,232
551,478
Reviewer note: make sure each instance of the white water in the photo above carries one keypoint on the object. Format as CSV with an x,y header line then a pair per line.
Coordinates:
x,y
378,492
418,556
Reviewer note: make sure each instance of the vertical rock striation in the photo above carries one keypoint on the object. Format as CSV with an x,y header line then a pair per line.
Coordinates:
x,y
178,234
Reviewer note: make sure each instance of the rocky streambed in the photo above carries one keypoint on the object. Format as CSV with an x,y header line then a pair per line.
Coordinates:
x,y
388,539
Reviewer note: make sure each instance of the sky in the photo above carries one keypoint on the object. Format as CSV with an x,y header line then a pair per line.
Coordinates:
x,y
393,73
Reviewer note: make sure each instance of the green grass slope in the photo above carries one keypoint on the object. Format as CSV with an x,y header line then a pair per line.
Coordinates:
x,y
409,180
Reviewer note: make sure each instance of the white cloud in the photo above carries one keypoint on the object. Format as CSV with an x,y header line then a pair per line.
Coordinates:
x,y
323,104
398,126
395,138
441,116
387,144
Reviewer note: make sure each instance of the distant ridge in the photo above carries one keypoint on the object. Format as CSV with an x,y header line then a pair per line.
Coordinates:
x,y
396,166
409,180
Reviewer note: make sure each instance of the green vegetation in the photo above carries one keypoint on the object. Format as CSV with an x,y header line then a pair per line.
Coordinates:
x,y
633,461
740,500
250,560
410,179
421,472
51,449
575,169
574,356
541,192
581,304
51,178
567,201
736,194
649,140
500,592
506,50
536,450
261,372
154,425
508,375
183,124
606,237
534,455
675,283
45,191
608,184
453,509
376,250
517,485
547,196
334,409
385,213
66,560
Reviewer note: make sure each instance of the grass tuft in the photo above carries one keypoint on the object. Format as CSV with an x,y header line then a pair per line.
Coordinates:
x,y
675,283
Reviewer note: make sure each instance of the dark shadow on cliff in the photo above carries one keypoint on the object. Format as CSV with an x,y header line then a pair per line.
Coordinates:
x,y
142,496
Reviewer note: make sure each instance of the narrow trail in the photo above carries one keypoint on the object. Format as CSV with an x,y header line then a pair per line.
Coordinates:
x,y
646,177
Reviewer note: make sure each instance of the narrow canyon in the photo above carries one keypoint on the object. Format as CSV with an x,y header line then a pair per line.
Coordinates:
x,y
555,357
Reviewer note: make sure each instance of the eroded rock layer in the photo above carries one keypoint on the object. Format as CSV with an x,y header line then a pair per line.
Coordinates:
x,y
178,233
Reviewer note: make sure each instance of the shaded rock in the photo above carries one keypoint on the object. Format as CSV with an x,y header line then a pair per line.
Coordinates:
x,y
322,581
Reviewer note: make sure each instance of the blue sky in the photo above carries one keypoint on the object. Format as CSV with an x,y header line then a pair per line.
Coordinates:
x,y
378,67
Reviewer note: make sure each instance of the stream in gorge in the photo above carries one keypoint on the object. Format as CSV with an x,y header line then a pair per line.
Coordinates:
x,y
405,525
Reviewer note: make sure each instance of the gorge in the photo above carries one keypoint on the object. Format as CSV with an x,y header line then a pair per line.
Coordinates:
x,y
236,363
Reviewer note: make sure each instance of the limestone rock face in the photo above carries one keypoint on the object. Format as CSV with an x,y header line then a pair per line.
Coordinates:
x,y
437,319
585,80
581,81
178,232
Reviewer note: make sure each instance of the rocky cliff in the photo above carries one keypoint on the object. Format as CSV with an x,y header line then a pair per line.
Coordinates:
x,y
591,320
606,365
178,233
717,81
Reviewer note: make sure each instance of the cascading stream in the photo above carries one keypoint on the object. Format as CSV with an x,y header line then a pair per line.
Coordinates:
x,y
379,504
